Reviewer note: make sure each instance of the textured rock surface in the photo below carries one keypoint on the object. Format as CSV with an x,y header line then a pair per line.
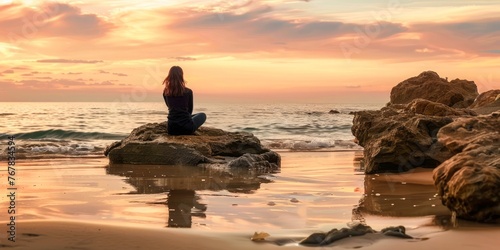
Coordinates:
x,y
260,161
429,108
398,138
487,102
486,98
469,182
151,144
428,85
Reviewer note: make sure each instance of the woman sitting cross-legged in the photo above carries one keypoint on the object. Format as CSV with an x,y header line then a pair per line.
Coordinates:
x,y
179,100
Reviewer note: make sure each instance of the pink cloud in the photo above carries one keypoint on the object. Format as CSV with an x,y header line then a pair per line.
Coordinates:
x,y
20,23
258,29
476,37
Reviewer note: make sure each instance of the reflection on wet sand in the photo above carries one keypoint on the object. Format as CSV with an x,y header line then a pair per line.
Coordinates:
x,y
408,194
180,203
182,182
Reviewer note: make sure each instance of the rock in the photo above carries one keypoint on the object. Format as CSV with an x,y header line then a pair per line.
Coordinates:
x,y
259,236
490,108
333,235
313,239
333,111
425,107
426,124
151,144
487,102
400,137
469,182
486,98
269,160
321,239
428,85
399,231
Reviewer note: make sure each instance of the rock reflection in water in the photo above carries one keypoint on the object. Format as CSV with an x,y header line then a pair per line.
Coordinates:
x,y
357,162
181,184
386,196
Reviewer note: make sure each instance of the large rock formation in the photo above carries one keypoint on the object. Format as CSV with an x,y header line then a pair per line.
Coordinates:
x,y
151,144
428,85
469,182
398,138
437,132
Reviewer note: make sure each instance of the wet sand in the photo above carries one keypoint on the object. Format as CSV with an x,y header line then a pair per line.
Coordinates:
x,y
85,204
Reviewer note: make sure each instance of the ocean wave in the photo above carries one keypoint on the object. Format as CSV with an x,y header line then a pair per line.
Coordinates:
x,y
63,134
65,148
311,145
295,128
53,148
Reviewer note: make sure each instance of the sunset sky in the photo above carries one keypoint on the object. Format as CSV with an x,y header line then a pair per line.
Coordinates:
x,y
331,51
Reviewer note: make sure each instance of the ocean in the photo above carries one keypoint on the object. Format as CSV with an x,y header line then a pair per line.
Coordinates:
x,y
84,129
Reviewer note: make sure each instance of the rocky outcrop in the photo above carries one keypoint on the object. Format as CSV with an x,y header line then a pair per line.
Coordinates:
x,y
398,138
151,144
428,85
469,182
487,102
425,125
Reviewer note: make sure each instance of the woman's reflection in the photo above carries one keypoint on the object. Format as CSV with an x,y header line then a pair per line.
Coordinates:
x,y
181,184
180,203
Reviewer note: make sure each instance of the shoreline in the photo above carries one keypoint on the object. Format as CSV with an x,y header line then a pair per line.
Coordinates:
x,y
21,157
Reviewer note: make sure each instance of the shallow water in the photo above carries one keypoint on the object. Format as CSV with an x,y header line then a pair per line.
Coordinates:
x,y
313,190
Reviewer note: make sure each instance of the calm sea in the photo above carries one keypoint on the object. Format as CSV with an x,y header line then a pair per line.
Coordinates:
x,y
85,128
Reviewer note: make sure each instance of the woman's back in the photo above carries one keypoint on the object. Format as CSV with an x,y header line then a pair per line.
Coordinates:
x,y
179,100
180,109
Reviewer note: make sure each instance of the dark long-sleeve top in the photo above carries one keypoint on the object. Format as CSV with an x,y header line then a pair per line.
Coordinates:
x,y
180,109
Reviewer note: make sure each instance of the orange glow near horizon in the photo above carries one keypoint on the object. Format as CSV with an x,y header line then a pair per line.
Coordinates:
x,y
240,50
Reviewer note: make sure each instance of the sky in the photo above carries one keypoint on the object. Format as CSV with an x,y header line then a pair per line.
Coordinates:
x,y
310,51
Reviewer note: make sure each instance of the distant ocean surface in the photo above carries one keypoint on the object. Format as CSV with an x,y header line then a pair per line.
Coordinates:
x,y
59,129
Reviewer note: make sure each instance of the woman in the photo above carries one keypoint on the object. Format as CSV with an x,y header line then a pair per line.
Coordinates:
x,y
179,100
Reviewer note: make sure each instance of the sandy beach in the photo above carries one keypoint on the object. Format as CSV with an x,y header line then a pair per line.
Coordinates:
x,y
85,204
72,235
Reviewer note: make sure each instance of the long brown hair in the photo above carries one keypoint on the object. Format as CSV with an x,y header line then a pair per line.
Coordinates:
x,y
174,82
